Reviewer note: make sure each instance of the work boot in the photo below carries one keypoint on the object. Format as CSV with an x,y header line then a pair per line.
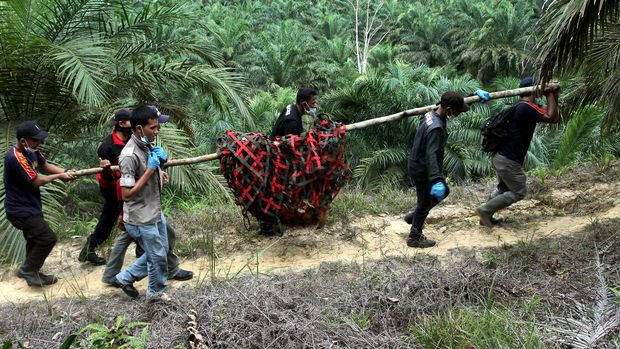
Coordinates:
x,y
408,218
417,239
494,221
182,275
36,279
129,289
486,211
88,254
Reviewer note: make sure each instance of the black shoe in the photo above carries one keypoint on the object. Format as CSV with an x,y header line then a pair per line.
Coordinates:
x,y
128,289
94,259
88,254
408,218
182,275
36,279
419,241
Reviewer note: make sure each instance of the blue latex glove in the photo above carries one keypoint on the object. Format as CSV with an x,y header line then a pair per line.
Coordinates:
x,y
153,161
438,191
161,154
484,95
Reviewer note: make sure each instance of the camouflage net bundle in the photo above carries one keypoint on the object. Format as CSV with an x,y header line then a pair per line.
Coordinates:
x,y
293,179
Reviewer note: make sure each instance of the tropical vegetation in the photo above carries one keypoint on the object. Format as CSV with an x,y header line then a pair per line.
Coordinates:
x,y
235,64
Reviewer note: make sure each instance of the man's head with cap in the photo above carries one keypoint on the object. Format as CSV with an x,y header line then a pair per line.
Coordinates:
x,y
453,103
527,82
145,120
29,134
123,114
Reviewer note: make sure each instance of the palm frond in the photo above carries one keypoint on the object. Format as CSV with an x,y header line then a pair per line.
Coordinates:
x,y
569,28
576,134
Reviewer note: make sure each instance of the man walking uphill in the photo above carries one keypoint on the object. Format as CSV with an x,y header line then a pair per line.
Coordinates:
x,y
108,153
425,165
22,203
508,161
141,183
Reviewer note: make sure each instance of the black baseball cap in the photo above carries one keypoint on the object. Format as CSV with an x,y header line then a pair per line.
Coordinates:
x,y
30,129
122,115
454,100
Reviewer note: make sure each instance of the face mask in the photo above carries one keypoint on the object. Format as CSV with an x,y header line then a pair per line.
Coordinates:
x,y
143,138
538,101
122,129
311,111
28,149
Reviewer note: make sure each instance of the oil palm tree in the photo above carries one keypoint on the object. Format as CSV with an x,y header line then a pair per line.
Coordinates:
x,y
583,38
67,62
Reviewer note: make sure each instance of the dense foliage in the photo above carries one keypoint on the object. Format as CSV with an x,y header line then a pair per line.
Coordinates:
x,y
221,65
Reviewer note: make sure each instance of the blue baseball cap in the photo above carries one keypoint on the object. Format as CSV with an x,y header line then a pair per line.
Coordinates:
x,y
160,117
527,82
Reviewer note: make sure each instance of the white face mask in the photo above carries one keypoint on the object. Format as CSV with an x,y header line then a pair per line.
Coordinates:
x,y
311,112
143,138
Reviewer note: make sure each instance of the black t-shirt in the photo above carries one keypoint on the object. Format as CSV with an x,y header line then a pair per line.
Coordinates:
x,y
20,169
521,130
288,123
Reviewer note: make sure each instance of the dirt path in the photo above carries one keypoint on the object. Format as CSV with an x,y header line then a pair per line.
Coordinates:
x,y
369,238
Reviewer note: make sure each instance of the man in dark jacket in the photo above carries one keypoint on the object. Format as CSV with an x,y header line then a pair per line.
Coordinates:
x,y
22,202
425,165
289,123
108,152
508,162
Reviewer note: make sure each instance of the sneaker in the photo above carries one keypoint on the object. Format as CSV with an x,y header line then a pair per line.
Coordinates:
x,y
182,275
419,241
129,289
408,218
163,298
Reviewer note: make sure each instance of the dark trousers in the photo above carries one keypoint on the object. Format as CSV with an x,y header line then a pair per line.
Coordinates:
x,y
424,204
40,240
111,209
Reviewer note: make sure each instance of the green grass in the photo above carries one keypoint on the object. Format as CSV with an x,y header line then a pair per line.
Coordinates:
x,y
467,327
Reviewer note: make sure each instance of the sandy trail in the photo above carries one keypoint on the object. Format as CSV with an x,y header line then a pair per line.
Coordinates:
x,y
369,238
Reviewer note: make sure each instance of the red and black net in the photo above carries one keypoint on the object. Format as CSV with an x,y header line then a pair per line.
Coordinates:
x,y
292,179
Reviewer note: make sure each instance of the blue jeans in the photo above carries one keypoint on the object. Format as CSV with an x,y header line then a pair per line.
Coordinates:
x,y
153,263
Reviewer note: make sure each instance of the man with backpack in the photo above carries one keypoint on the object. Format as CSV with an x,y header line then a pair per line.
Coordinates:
x,y
509,154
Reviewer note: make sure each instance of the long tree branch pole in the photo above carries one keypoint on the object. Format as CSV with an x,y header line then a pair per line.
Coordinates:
x,y
350,127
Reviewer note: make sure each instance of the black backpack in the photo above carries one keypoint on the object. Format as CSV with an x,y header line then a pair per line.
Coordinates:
x,y
494,130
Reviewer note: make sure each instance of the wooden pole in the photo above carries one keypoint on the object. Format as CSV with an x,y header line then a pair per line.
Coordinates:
x,y
350,127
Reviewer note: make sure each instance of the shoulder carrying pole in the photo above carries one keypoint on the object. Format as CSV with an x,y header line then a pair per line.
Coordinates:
x,y
351,127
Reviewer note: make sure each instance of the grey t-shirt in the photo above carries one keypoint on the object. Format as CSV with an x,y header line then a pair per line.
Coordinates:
x,y
145,207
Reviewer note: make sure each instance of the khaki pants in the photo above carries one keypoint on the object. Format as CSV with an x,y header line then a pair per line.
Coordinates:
x,y
511,186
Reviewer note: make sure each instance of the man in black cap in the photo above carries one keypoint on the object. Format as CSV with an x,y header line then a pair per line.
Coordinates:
x,y
108,152
22,203
508,161
425,164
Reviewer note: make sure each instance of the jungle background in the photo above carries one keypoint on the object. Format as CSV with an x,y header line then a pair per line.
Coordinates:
x,y
218,65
